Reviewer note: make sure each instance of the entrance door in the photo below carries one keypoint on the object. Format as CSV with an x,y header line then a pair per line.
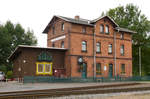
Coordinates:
x,y
84,70
110,70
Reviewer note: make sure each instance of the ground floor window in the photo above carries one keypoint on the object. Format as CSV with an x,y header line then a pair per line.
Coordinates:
x,y
44,68
98,69
122,68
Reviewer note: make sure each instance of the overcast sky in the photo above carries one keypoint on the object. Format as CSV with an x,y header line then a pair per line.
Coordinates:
x,y
36,14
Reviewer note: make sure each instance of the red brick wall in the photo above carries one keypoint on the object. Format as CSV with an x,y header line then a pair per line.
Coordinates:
x,y
73,41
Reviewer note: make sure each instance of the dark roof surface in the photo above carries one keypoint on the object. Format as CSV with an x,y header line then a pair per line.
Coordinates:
x,y
77,21
18,49
87,22
125,30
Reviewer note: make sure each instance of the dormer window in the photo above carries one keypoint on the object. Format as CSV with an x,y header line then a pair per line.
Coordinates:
x,y
101,28
107,29
62,27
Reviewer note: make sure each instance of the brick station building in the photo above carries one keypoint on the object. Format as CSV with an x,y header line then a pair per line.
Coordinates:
x,y
87,48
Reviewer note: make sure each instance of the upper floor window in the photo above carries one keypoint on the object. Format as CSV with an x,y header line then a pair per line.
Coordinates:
x,y
122,50
53,30
62,44
84,29
122,68
107,29
110,49
98,47
84,46
53,44
122,35
101,28
62,27
98,68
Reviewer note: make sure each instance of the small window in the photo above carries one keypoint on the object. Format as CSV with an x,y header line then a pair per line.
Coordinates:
x,y
47,68
98,68
122,68
62,27
110,49
122,50
101,28
98,47
107,29
40,68
62,44
84,46
44,68
53,30
122,35
84,29
53,44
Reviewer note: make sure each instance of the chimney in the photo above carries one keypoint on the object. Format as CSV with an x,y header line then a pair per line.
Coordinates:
x,y
77,17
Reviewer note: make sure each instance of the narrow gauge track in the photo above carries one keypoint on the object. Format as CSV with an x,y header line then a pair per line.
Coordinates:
x,y
34,94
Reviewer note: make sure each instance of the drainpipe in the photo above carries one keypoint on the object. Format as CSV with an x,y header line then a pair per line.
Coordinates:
x,y
94,55
115,53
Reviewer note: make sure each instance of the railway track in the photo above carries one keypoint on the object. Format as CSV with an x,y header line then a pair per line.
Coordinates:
x,y
101,89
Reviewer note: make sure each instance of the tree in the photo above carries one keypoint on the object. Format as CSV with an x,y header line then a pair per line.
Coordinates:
x,y
131,17
11,36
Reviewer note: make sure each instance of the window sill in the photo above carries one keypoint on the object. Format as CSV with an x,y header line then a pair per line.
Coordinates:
x,y
109,53
102,32
98,73
84,51
107,33
98,52
122,54
123,74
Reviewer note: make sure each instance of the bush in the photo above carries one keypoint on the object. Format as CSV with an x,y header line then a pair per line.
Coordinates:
x,y
9,75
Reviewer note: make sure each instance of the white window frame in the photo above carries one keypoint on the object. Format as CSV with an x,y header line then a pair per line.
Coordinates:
x,y
110,48
38,68
84,46
122,50
107,29
98,47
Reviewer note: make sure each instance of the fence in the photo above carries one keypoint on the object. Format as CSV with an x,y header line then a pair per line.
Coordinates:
x,y
46,79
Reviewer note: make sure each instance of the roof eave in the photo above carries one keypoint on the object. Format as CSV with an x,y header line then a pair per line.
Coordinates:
x,y
128,31
94,21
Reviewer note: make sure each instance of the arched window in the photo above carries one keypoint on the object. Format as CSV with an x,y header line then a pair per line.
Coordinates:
x,y
110,49
122,50
122,35
62,27
84,29
62,44
84,46
98,68
53,30
101,28
107,29
53,44
123,69
98,47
